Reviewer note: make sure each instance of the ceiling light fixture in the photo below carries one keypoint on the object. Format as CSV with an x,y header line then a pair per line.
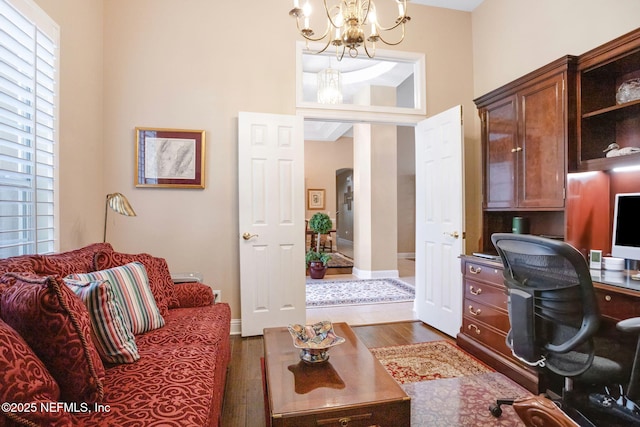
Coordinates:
x,y
346,23
329,86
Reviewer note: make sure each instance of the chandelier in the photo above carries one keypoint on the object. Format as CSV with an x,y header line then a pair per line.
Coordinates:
x,y
346,23
329,86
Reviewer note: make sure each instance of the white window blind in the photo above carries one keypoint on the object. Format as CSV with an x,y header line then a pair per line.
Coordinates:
x,y
28,129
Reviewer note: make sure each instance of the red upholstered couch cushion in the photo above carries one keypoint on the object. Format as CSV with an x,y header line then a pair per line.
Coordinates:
x,y
25,379
55,323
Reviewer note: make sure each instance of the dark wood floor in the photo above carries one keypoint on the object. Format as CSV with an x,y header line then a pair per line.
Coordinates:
x,y
243,399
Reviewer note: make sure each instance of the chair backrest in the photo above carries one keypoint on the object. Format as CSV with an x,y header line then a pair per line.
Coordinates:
x,y
552,305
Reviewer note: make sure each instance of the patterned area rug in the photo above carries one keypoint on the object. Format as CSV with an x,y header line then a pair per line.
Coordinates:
x,y
427,361
352,292
448,387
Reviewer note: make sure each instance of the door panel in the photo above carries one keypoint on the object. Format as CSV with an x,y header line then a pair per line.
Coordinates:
x,y
439,220
500,165
271,221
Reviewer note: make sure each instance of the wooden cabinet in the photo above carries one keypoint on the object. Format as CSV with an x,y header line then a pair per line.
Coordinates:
x,y
601,120
485,321
524,135
527,129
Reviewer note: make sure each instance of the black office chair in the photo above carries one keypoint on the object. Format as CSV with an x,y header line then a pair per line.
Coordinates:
x,y
554,319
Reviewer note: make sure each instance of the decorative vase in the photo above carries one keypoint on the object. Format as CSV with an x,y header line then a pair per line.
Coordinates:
x,y
317,269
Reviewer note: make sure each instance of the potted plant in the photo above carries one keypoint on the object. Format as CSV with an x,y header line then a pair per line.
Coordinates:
x,y
319,223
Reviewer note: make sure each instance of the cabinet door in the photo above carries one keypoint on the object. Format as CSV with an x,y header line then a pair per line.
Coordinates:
x,y
499,134
541,145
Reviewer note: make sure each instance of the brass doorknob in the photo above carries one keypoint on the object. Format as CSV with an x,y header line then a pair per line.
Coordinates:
x,y
246,235
454,234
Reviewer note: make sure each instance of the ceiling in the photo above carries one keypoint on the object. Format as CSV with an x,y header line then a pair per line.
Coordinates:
x,y
467,5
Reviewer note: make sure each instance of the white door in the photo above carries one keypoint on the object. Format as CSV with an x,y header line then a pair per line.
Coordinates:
x,y
440,220
271,221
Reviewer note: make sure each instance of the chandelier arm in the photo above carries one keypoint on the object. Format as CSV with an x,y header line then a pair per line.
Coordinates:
x,y
400,20
392,43
370,55
328,11
310,38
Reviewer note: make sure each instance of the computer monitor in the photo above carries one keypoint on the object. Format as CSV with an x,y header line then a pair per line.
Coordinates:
x,y
626,226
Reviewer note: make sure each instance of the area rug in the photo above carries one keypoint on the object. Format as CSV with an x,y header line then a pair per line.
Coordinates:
x,y
449,387
352,292
427,361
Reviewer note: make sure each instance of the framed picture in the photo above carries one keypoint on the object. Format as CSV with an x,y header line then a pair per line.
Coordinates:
x,y
315,199
169,158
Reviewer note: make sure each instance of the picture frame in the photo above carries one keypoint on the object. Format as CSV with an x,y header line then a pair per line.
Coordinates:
x,y
315,199
170,158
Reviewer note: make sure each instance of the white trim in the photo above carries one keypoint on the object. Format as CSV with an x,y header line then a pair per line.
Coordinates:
x,y
236,326
375,274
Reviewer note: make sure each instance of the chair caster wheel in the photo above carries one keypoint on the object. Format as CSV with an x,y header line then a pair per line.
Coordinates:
x,y
496,410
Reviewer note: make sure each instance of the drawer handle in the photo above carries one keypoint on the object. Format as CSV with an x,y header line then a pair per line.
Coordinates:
x,y
474,327
475,291
344,422
607,298
475,270
474,312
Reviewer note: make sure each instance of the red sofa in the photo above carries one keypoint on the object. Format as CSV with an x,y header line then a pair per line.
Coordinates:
x,y
178,379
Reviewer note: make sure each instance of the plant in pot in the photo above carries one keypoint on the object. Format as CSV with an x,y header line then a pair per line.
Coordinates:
x,y
319,223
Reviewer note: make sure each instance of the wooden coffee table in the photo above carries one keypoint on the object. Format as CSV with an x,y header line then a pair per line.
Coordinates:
x,y
351,389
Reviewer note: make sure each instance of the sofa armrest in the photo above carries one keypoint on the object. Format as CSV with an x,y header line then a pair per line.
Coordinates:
x,y
193,294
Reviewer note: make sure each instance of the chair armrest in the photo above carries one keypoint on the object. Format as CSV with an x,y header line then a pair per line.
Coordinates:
x,y
193,294
631,325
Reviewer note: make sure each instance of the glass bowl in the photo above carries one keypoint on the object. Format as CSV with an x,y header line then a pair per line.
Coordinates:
x,y
314,341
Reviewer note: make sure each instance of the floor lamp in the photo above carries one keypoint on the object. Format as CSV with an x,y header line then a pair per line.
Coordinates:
x,y
119,203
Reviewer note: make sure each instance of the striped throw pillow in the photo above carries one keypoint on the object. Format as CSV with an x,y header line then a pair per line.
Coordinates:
x,y
130,285
113,339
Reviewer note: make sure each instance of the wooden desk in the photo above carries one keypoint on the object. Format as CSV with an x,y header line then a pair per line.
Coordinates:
x,y
352,388
485,321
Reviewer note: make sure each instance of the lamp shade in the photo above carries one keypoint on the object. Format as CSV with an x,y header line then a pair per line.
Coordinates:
x,y
118,203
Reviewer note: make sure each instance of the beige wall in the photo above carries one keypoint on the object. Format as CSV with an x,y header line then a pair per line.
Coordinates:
x,y
321,161
81,179
512,38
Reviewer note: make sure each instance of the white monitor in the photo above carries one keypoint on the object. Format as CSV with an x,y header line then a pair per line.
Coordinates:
x,y
626,226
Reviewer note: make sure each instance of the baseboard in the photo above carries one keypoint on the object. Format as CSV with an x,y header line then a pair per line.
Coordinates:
x,y
375,274
407,255
236,326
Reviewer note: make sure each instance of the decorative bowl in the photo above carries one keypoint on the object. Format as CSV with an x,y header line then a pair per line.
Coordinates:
x,y
314,341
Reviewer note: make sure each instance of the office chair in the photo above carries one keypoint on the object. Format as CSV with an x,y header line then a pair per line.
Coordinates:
x,y
554,318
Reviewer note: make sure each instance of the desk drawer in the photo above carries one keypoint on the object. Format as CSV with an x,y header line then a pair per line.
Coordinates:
x,y
486,335
486,314
617,306
382,415
485,293
482,272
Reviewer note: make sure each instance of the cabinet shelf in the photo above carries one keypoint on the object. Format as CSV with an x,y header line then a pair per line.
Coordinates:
x,y
608,163
620,110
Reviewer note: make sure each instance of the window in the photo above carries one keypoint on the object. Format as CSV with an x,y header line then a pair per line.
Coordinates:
x,y
28,129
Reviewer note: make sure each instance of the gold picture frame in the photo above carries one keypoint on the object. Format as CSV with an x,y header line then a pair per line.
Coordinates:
x,y
172,158
315,199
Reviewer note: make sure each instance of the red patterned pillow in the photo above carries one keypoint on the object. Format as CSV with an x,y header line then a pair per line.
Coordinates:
x,y
55,323
25,380
75,261
160,280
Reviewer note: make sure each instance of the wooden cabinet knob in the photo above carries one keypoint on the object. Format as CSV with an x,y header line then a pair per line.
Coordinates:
x,y
607,298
